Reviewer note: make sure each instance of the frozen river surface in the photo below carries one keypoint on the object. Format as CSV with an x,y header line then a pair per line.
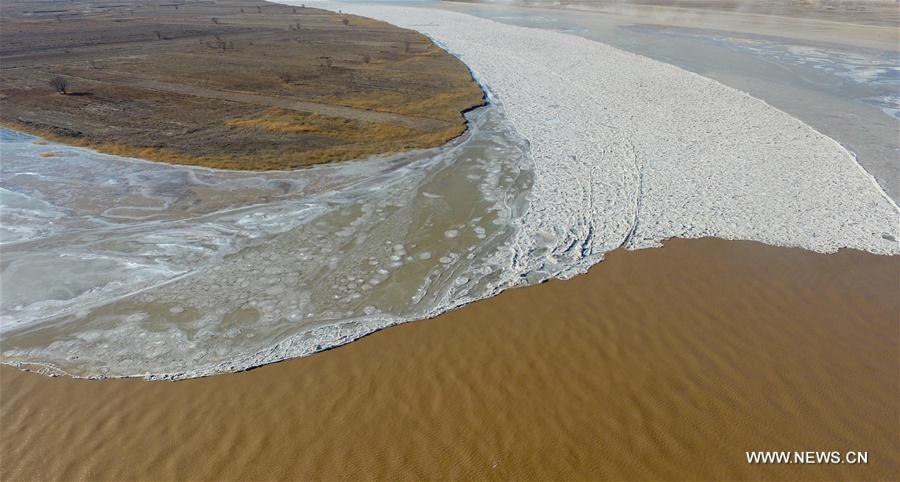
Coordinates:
x,y
120,267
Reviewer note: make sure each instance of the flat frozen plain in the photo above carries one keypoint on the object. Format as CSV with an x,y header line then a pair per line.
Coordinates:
x,y
630,151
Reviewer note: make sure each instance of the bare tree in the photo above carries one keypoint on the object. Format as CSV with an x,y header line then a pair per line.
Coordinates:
x,y
286,77
258,9
345,21
59,84
215,20
219,44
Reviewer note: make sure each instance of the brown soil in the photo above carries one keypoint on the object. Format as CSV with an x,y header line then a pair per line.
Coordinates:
x,y
239,84
664,364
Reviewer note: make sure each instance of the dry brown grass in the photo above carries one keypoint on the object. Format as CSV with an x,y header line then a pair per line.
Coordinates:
x,y
443,105
289,55
356,139
148,153
370,140
280,120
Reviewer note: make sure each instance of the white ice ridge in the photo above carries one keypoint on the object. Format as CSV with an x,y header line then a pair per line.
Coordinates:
x,y
630,151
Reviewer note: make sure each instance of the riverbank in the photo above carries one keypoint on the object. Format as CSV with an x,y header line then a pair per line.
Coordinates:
x,y
657,364
227,84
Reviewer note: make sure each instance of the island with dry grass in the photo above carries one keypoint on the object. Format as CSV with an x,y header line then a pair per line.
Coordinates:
x,y
237,84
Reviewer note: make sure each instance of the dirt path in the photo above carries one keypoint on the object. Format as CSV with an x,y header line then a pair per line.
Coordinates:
x,y
419,123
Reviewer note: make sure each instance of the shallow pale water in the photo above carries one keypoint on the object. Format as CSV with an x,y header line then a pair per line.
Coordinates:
x,y
121,267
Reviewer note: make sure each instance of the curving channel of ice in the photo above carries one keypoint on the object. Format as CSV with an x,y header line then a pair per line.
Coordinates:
x,y
116,267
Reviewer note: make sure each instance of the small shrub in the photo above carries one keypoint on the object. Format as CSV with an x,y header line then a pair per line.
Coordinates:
x,y
59,84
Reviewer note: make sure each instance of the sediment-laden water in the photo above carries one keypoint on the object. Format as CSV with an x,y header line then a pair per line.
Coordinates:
x,y
119,267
